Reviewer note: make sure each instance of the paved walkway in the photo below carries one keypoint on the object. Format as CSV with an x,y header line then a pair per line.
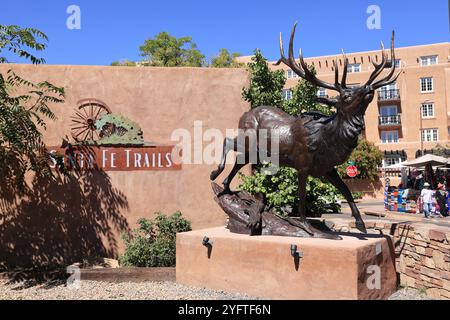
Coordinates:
x,y
375,209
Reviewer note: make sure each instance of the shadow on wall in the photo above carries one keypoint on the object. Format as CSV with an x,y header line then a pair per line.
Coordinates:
x,y
56,222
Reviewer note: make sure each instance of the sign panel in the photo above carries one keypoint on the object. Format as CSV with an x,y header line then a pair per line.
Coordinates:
x,y
117,158
352,171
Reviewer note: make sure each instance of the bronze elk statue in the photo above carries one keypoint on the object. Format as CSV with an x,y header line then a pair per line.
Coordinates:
x,y
312,143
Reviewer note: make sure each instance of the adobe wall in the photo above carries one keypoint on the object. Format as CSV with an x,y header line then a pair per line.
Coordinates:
x,y
160,100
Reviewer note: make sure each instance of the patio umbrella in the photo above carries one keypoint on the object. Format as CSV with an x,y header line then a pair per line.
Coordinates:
x,y
433,160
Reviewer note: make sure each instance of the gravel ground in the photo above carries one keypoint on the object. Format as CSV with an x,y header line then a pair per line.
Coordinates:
x,y
95,290
409,294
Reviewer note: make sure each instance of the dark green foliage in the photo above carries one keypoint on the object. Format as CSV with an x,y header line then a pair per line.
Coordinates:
x,y
367,158
14,39
265,85
166,50
153,243
123,63
24,107
304,96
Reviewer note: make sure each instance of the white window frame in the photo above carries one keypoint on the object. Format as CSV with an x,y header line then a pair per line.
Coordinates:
x,y
429,135
389,161
389,141
393,107
427,84
287,94
389,87
427,110
290,74
430,60
354,68
322,92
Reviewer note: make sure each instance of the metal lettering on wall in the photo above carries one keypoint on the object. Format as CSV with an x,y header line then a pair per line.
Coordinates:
x,y
102,140
116,158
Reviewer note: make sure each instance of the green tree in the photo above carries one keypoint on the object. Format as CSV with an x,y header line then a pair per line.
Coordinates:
x,y
265,85
367,158
304,96
24,107
166,50
123,63
281,189
225,59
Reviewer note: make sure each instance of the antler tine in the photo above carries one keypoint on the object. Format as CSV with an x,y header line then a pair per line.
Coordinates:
x,y
394,79
378,67
282,58
313,79
290,61
344,75
380,83
302,70
336,72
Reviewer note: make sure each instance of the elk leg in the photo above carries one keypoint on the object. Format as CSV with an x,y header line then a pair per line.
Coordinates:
x,y
228,145
336,181
226,183
304,223
302,178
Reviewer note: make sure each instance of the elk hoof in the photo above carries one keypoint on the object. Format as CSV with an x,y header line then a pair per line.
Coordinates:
x,y
225,191
254,221
361,226
213,176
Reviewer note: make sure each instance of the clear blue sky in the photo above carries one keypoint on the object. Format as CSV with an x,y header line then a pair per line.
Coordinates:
x,y
114,30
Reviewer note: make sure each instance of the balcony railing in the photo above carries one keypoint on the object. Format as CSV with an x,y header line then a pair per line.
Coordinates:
x,y
386,95
389,120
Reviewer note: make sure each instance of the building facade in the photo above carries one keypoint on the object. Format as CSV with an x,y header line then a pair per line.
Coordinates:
x,y
406,118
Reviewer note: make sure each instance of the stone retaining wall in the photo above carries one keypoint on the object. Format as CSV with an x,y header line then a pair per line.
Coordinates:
x,y
422,253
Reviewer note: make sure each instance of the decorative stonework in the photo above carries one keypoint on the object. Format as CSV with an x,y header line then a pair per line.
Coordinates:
x,y
422,253
116,129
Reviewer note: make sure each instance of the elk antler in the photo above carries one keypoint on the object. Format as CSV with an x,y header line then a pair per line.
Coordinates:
x,y
379,68
302,70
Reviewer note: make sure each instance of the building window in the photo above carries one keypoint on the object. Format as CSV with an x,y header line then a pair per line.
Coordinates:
x,y
291,74
322,93
389,136
428,60
388,111
354,67
398,63
287,94
426,84
428,110
390,161
430,135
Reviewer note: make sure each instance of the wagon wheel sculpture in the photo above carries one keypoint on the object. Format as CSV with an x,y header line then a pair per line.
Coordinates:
x,y
88,111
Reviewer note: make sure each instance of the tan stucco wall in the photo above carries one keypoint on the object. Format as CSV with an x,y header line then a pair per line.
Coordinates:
x,y
160,100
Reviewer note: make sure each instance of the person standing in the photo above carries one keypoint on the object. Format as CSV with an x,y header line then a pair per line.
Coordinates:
x,y
441,199
426,196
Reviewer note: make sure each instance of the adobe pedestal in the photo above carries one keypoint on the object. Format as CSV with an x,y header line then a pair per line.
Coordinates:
x,y
263,266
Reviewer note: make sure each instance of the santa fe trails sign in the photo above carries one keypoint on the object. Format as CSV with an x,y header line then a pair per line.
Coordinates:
x,y
117,158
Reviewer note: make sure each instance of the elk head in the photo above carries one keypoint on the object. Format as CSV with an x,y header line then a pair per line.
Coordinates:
x,y
351,99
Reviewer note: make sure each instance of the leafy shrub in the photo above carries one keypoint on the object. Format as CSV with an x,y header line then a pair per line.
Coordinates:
x,y
358,195
367,158
281,191
153,243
